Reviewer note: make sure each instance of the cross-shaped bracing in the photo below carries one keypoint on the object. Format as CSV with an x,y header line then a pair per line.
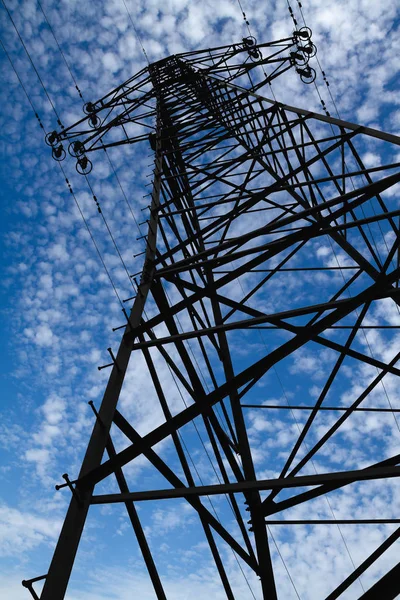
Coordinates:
x,y
250,374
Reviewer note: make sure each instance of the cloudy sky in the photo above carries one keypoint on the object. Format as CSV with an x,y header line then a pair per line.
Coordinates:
x,y
58,307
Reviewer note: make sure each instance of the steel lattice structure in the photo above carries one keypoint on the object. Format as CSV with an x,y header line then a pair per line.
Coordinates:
x,y
245,190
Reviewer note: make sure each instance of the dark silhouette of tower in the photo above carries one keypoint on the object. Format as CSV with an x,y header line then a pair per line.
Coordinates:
x,y
244,193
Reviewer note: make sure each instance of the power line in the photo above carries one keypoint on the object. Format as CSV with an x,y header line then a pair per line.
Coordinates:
x,y
61,51
91,236
136,33
33,65
122,189
64,174
247,24
351,179
22,85
81,96
109,231
319,64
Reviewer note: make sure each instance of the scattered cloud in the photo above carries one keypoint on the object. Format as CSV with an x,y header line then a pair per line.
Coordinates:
x,y
60,308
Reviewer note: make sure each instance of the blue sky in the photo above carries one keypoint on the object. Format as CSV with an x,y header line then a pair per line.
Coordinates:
x,y
58,308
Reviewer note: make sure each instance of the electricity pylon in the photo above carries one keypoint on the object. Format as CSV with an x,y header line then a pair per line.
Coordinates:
x,y
249,197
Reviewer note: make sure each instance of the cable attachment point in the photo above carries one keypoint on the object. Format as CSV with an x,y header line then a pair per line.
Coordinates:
x,y
304,33
58,153
310,49
307,74
250,44
302,54
52,139
76,149
305,50
90,110
249,41
83,165
298,58
94,121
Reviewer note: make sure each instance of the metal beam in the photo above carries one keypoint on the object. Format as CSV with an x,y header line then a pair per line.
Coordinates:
x,y
364,566
387,588
243,486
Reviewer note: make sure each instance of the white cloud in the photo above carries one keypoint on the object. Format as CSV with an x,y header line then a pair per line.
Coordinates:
x,y
22,531
111,61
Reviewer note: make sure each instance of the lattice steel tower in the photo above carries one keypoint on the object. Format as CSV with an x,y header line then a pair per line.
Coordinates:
x,y
264,222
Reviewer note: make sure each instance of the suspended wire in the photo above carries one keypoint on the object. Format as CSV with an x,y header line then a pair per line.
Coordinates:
x,y
319,65
107,226
123,263
330,242
331,126
332,129
202,482
245,18
104,219
274,368
126,270
87,180
339,116
109,230
293,416
247,24
136,33
64,174
109,159
61,51
22,85
81,96
33,65
362,208
283,561
91,236
94,196
353,185
261,335
121,188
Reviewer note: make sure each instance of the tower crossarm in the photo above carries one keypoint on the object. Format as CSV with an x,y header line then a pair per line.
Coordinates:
x,y
130,108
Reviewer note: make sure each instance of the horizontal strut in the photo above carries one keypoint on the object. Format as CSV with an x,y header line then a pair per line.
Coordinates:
x,y
243,486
